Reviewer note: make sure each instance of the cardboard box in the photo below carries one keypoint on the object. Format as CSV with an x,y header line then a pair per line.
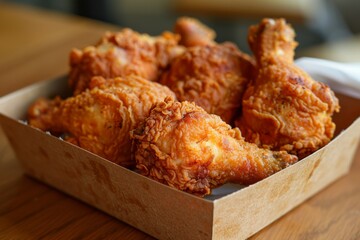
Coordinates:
x,y
232,212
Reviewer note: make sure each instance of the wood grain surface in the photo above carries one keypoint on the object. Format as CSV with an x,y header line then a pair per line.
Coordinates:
x,y
34,46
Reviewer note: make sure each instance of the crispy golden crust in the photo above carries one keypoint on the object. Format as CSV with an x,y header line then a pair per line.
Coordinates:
x,y
284,108
183,146
120,54
213,76
100,118
193,33
272,40
180,144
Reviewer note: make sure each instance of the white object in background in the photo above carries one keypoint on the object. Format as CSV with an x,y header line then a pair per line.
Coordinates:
x,y
341,77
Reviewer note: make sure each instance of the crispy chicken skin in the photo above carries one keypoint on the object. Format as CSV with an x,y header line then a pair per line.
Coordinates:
x,y
284,108
193,33
120,54
100,118
185,147
212,75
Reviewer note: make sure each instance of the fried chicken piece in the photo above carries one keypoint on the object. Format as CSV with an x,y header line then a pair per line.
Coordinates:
x,y
121,54
185,147
212,75
193,32
284,108
100,118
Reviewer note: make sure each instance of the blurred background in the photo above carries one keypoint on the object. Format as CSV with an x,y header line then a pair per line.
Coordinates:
x,y
316,22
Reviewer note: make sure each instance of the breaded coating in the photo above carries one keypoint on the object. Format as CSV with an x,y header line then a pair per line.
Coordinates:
x,y
193,33
120,54
100,118
213,76
183,146
284,108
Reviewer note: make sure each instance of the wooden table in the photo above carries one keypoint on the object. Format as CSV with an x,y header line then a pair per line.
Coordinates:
x,y
34,46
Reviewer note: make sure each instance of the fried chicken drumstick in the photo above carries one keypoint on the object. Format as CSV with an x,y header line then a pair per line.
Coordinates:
x,y
100,118
212,75
121,54
193,33
185,147
284,108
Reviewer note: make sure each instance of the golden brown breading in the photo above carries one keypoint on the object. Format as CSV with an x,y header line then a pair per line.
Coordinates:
x,y
100,118
213,76
284,108
183,146
120,54
193,32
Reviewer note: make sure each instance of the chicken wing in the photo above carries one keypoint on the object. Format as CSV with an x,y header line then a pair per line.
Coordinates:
x,y
284,108
183,146
100,118
212,75
120,54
